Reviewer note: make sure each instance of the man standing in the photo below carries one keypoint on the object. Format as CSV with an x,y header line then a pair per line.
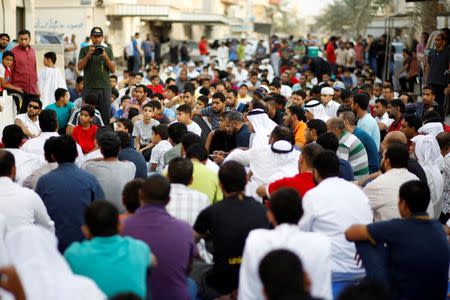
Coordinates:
x,y
97,62
203,49
438,63
24,73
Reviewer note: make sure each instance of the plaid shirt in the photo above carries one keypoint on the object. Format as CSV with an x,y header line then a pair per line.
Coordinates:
x,y
185,203
419,109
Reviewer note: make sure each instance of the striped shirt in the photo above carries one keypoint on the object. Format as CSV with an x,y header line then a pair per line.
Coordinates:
x,y
351,149
75,118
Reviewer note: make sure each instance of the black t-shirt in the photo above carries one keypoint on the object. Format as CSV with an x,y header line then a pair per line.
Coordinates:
x,y
418,256
222,141
415,168
242,137
229,222
278,118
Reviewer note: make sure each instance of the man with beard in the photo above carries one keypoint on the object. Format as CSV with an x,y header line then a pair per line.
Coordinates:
x,y
294,119
4,44
395,110
29,121
213,112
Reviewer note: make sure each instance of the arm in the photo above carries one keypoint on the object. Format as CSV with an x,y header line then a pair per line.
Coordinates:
x,y
82,63
69,129
146,147
11,282
24,129
261,191
198,236
358,232
209,140
109,63
40,214
175,100
382,126
9,86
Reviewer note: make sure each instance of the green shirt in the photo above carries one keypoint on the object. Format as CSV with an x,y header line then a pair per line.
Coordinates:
x,y
206,181
96,72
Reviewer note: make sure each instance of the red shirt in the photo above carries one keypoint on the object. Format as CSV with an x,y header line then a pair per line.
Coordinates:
x,y
301,182
331,56
159,89
203,47
85,137
396,127
7,76
24,74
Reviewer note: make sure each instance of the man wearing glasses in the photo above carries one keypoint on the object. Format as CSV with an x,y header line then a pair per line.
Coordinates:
x,y
29,121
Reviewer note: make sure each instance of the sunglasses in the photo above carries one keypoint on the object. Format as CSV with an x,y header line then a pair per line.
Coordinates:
x,y
33,106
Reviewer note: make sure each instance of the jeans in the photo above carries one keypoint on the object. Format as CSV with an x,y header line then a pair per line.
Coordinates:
x,y
374,260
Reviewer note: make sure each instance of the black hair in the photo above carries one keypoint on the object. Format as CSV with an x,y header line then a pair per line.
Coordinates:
x,y
300,93
413,121
428,87
234,116
232,176
382,101
7,53
189,139
110,144
161,130
115,93
154,77
4,35
282,133
326,163
79,79
398,155
127,124
220,96
173,88
12,136
388,86
125,139
89,109
319,125
185,108
362,99
49,149
365,289
23,32
156,104
130,194
158,95
59,93
281,273
197,151
176,132
328,141
48,121
443,139
345,93
65,149
399,104
180,170
298,112
203,99
286,206
234,92
204,91
259,104
416,194
7,162
113,76
432,116
102,218
51,55
310,151
276,84
156,189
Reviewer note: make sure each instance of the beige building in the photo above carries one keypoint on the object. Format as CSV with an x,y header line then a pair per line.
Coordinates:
x,y
16,15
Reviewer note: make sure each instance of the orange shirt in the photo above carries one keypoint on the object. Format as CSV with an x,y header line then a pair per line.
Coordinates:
x,y
299,133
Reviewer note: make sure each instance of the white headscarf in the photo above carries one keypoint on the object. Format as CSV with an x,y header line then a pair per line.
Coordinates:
x,y
433,128
317,109
429,156
42,269
263,127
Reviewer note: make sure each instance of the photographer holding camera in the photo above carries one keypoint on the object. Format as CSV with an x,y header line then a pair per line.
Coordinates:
x,y
97,62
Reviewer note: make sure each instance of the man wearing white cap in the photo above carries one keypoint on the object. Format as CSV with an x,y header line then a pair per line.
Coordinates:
x,y
192,72
329,104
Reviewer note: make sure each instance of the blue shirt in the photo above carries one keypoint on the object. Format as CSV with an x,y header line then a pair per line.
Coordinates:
x,y
116,264
137,159
8,47
243,137
345,170
63,113
418,256
369,125
66,192
371,149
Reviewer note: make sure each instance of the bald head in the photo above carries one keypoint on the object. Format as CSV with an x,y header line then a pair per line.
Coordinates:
x,y
394,137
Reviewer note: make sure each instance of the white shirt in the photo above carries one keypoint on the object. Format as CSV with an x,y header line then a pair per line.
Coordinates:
x,y
212,166
185,203
331,208
194,128
193,74
22,206
385,120
383,193
93,155
26,163
32,127
314,250
36,146
158,152
241,76
331,108
286,91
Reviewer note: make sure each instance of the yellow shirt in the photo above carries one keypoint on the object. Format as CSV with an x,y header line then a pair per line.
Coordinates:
x,y
206,181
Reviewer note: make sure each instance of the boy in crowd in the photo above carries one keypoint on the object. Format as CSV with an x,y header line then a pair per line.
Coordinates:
x,y
50,79
75,117
161,145
143,132
63,108
184,115
84,132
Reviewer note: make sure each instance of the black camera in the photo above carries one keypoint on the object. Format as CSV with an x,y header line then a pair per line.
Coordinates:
x,y
98,50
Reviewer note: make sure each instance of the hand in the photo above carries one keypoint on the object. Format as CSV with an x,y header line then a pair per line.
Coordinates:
x,y
1,108
10,281
104,55
91,51
358,260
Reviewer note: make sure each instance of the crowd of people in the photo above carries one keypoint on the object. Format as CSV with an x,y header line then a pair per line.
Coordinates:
x,y
259,176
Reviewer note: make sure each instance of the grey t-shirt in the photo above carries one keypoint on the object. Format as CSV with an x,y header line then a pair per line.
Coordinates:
x,y
144,131
112,177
